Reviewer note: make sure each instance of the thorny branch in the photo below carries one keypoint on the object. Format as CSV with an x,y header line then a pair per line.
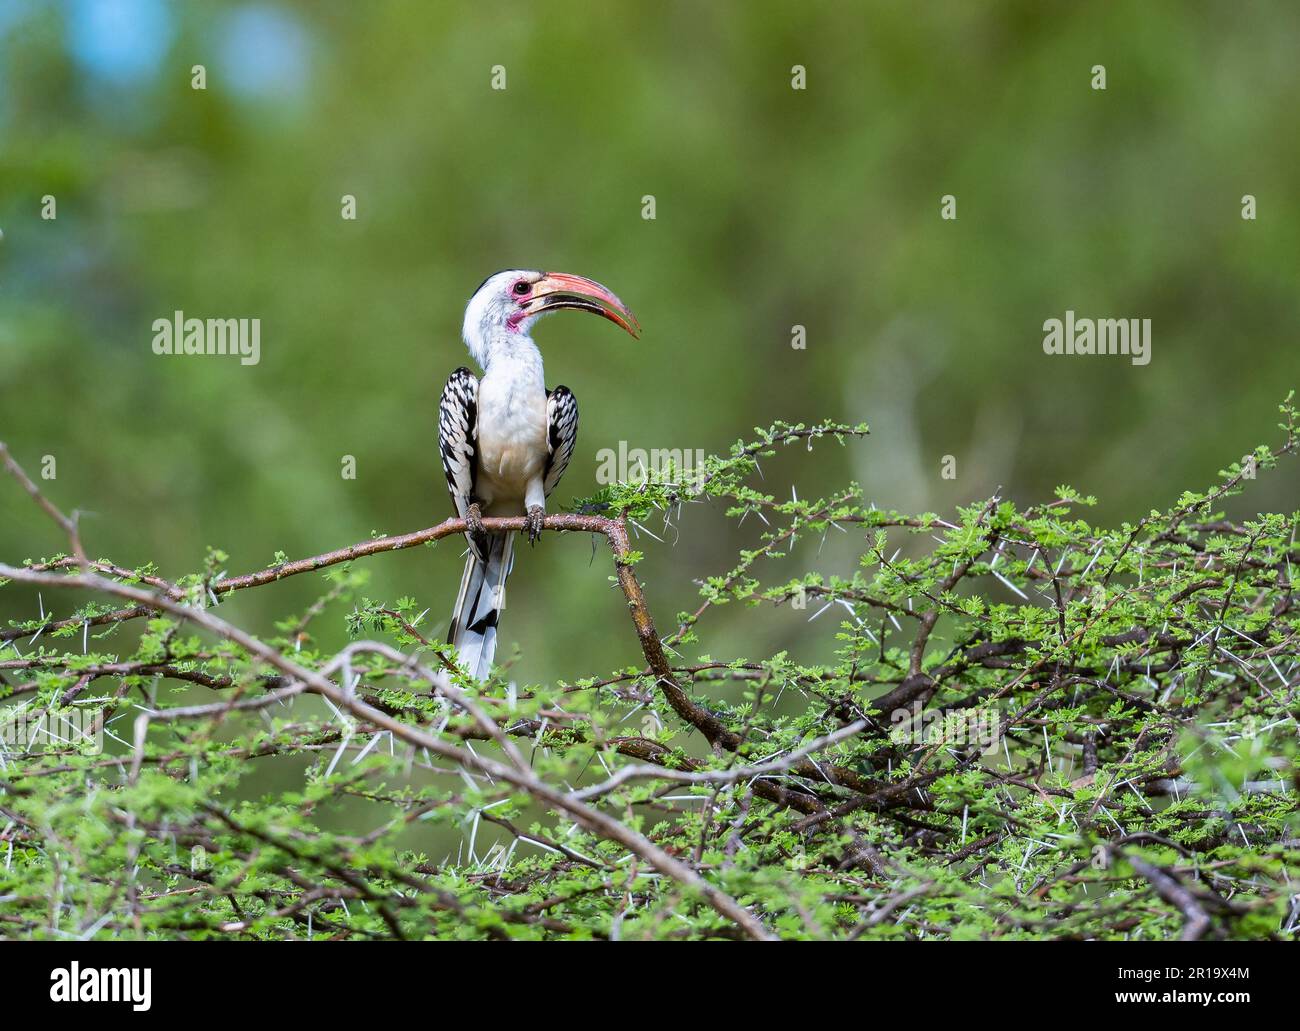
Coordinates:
x,y
1124,647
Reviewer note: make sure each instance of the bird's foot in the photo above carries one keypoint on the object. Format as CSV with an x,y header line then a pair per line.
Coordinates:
x,y
474,523
533,522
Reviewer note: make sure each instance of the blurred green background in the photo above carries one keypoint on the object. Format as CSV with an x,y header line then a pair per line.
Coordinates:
x,y
774,207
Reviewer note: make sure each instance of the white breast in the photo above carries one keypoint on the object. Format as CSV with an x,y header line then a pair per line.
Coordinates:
x,y
511,431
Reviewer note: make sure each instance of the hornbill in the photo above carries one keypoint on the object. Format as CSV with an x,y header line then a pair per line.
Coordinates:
x,y
505,439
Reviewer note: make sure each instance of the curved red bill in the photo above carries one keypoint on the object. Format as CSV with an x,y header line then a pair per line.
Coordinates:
x,y
562,290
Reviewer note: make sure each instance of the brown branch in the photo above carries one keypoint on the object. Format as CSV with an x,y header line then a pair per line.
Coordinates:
x,y
562,522
68,525
614,530
1172,891
593,819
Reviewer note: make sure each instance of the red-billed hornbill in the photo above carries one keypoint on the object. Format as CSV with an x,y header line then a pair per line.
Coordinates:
x,y
505,439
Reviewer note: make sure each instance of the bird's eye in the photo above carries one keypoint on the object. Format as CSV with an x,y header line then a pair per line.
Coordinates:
x,y
521,287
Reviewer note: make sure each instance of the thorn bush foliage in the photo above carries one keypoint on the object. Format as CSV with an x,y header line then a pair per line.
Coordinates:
x,y
1030,726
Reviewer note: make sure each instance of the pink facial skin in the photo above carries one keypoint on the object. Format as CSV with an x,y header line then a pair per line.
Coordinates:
x,y
514,318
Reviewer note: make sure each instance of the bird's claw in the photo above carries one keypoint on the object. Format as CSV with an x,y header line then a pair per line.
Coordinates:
x,y
474,524
533,522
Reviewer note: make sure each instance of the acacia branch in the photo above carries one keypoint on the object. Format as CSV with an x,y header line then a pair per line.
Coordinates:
x,y
517,773
593,819
614,530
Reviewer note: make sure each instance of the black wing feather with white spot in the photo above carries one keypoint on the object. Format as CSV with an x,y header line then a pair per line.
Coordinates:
x,y
561,433
458,436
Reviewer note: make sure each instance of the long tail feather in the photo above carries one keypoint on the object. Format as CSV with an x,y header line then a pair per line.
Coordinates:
x,y
482,596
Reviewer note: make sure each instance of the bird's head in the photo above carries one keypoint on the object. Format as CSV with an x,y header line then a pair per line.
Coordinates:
x,y
509,303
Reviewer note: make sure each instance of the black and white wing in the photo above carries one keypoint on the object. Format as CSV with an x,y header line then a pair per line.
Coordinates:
x,y
458,436
561,433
